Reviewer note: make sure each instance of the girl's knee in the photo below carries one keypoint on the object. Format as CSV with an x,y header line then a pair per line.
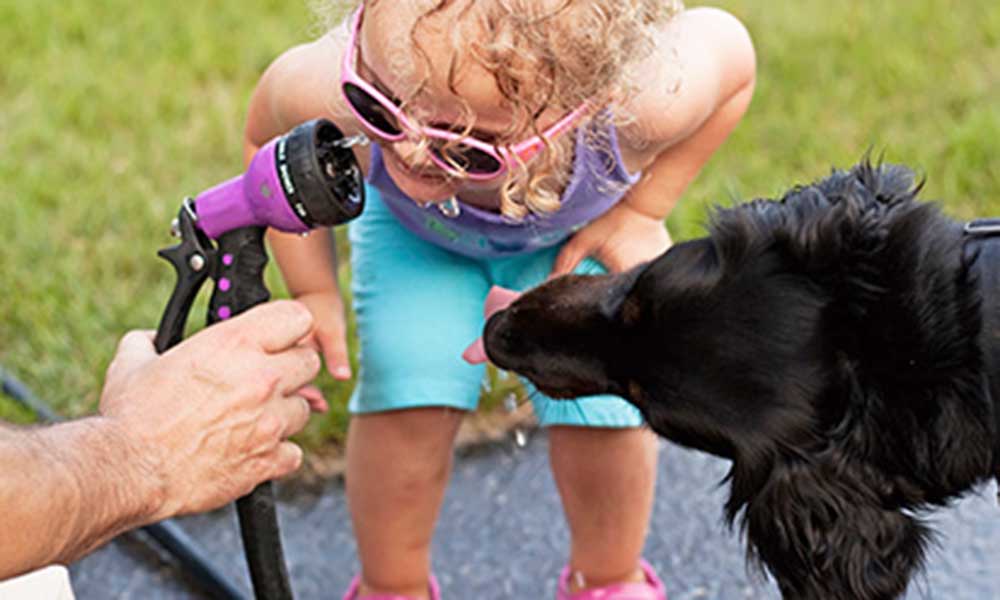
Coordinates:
x,y
415,443
595,452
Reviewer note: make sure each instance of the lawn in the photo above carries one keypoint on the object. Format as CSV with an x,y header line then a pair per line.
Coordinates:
x,y
113,111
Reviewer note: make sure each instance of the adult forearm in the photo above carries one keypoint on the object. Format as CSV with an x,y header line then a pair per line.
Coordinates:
x,y
67,489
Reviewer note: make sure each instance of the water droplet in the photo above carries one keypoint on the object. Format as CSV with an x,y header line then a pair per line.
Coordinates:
x,y
450,208
510,402
520,438
354,140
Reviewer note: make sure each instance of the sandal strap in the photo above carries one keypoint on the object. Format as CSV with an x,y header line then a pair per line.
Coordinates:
x,y
651,589
355,585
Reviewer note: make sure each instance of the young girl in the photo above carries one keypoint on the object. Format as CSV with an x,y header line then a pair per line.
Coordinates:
x,y
513,140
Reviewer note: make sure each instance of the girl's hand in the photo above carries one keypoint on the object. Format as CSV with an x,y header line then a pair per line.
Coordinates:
x,y
620,239
329,334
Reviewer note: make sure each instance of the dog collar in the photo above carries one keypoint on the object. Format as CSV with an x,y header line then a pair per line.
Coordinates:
x,y
982,227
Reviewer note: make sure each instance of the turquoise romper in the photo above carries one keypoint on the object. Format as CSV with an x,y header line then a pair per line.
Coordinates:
x,y
420,279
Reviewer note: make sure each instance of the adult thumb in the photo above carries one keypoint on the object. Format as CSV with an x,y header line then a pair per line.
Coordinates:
x,y
134,350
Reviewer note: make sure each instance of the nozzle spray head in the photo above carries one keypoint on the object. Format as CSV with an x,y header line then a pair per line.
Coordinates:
x,y
304,179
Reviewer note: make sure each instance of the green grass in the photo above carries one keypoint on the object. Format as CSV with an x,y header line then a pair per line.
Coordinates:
x,y
111,112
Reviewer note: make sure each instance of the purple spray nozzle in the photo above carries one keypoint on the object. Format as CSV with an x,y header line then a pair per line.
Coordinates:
x,y
304,179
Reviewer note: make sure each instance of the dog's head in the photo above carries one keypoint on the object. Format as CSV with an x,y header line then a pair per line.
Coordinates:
x,y
711,355
826,342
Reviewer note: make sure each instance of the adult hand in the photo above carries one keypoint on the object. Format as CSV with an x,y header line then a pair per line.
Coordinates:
x,y
211,417
620,239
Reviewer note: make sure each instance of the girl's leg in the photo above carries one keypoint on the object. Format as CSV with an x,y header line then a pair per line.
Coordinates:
x,y
417,309
606,479
397,470
603,461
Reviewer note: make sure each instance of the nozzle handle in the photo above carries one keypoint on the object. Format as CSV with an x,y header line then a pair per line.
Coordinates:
x,y
239,286
238,274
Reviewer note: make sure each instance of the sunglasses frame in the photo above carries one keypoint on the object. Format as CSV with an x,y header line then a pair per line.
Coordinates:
x,y
506,156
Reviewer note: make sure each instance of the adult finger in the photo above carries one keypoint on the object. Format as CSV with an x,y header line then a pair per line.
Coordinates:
x,y
285,459
292,412
276,325
296,367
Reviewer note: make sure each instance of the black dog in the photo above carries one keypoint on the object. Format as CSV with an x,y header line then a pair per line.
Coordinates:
x,y
841,346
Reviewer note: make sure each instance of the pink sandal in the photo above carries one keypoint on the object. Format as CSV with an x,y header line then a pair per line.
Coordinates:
x,y
652,589
352,591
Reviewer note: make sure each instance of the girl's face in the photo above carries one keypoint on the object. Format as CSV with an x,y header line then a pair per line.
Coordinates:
x,y
387,59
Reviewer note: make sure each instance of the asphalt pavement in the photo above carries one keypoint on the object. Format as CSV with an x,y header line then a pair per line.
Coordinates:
x,y
501,536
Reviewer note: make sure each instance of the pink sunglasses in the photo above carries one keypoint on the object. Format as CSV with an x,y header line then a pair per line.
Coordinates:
x,y
460,156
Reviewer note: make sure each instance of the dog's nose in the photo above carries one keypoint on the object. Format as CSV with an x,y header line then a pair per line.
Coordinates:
x,y
497,299
496,339
486,345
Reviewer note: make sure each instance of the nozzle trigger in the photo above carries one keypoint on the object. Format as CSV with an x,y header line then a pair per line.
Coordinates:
x,y
189,259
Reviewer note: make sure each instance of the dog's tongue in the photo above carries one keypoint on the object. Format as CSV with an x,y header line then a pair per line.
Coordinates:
x,y
498,299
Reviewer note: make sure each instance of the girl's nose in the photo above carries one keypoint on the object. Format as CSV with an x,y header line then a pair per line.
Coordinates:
x,y
413,154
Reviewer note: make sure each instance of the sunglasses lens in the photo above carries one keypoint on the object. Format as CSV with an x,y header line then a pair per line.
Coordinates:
x,y
466,158
371,110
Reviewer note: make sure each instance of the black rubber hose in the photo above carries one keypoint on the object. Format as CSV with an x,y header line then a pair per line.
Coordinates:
x,y
257,511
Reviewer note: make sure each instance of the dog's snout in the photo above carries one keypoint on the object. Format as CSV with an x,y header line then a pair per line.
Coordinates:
x,y
496,339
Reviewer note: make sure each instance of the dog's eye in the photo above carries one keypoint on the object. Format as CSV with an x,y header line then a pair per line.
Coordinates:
x,y
630,311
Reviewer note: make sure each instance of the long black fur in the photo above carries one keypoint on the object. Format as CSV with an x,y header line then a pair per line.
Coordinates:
x,y
830,343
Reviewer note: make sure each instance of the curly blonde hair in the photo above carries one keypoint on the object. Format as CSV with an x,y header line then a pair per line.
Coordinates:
x,y
545,55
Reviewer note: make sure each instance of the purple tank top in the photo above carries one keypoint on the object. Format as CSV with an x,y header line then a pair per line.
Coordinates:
x,y
598,182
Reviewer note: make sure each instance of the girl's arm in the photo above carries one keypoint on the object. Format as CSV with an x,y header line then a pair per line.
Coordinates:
x,y
300,85
685,128
676,131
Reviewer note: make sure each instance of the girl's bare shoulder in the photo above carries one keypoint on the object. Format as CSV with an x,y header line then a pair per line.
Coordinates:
x,y
701,58
304,83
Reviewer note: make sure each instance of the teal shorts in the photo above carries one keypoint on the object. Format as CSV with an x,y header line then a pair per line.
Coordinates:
x,y
418,306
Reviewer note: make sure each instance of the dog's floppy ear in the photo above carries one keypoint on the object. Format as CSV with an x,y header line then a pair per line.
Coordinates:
x,y
685,268
611,303
824,534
